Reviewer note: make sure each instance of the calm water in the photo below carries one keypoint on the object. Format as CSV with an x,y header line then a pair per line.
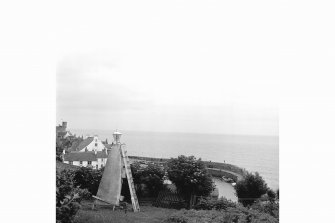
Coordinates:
x,y
254,153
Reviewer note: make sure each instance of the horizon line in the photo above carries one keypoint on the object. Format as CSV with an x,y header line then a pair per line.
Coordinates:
x,y
178,132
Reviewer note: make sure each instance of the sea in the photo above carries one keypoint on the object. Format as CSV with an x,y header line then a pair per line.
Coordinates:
x,y
254,153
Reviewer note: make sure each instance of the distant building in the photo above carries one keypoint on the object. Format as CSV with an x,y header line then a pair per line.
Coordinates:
x,y
93,159
88,152
64,135
62,127
91,143
61,131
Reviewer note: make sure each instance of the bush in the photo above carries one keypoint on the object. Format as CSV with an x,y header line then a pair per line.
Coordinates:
x,y
239,214
190,177
214,204
271,194
64,144
250,188
151,175
68,197
271,208
87,178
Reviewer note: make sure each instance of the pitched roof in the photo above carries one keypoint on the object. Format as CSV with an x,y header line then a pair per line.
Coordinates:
x,y
62,134
85,156
80,156
102,154
81,144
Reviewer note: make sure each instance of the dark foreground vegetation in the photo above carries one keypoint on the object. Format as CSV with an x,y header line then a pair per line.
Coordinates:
x,y
257,203
151,214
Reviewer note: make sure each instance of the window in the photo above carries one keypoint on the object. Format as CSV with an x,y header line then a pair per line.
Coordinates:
x,y
71,162
96,144
81,162
97,166
89,162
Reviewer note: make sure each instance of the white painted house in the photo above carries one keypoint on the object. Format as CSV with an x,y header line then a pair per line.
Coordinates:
x,y
90,152
91,143
93,159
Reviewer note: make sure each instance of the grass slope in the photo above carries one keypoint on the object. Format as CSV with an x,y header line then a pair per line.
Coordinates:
x,y
101,214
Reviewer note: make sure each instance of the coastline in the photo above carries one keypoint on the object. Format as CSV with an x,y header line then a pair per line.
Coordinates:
x,y
216,169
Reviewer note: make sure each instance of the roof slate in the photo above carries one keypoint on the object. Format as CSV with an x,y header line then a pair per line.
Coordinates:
x,y
85,156
102,154
80,156
81,144
62,134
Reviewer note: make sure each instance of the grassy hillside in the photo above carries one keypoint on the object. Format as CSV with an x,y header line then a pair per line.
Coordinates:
x,y
148,214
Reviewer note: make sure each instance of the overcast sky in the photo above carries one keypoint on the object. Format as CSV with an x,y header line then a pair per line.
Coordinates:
x,y
176,66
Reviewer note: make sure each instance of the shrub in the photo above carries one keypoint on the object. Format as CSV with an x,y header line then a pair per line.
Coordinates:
x,y
271,194
214,204
64,144
239,214
68,197
190,176
250,188
151,175
87,178
271,208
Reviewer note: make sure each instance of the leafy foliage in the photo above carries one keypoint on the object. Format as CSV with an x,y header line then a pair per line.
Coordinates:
x,y
271,194
151,175
68,197
238,214
190,176
250,188
65,144
87,178
214,204
271,208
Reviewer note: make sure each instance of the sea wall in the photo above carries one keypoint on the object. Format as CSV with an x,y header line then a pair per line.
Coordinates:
x,y
222,173
216,169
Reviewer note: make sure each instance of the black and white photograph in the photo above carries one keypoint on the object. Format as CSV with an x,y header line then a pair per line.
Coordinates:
x,y
168,111
167,115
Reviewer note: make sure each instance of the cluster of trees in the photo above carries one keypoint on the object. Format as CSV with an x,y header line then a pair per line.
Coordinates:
x,y
148,178
191,178
252,188
254,193
189,175
64,144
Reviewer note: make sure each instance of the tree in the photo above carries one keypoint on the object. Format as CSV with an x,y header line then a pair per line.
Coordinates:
x,y
271,194
87,178
68,197
250,188
150,174
190,177
64,144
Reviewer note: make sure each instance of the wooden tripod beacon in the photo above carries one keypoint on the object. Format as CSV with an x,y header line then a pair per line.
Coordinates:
x,y
117,167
